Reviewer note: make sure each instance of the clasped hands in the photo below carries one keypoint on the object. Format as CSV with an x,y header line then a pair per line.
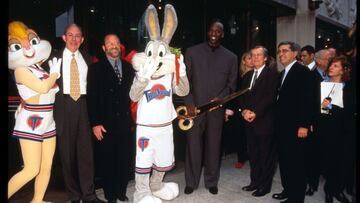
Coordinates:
x,y
248,115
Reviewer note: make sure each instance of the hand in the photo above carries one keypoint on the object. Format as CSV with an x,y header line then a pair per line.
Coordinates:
x,y
18,110
182,70
98,132
55,65
248,115
216,107
228,113
191,111
148,69
302,132
325,103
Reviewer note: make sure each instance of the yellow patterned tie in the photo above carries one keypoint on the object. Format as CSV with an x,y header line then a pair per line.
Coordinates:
x,y
74,80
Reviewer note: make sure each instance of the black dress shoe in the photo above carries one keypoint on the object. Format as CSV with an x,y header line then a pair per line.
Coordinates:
x,y
260,192
188,190
280,196
123,198
213,190
112,201
342,198
97,200
328,198
249,188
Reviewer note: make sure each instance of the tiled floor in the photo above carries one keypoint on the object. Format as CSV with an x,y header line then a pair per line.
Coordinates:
x,y
231,181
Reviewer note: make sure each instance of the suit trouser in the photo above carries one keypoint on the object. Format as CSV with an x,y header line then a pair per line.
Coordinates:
x,y
76,152
312,159
292,164
204,137
262,158
113,161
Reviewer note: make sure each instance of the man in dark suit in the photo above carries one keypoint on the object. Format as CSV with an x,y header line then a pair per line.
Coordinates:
x,y
314,140
71,117
293,119
109,82
258,112
212,73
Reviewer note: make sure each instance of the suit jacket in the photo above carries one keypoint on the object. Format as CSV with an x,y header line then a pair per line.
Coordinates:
x,y
109,101
59,108
261,99
295,99
211,73
317,79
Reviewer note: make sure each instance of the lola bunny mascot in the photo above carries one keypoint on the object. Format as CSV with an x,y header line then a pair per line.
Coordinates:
x,y
152,89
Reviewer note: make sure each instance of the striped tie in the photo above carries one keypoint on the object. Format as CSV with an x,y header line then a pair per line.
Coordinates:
x,y
74,80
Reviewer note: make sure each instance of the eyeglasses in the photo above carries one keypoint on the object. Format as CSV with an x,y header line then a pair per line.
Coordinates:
x,y
283,51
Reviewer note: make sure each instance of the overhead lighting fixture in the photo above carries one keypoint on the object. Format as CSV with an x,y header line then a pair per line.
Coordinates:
x,y
133,29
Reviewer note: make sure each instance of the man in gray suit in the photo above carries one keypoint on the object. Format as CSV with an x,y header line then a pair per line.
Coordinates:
x,y
212,73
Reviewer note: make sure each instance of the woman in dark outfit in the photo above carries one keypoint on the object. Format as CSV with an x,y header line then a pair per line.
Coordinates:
x,y
333,126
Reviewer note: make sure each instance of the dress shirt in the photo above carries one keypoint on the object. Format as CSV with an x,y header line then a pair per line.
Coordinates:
x,y
82,67
323,74
258,74
119,64
287,68
311,65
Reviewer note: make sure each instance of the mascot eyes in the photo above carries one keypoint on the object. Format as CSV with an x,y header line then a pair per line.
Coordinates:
x,y
35,41
162,50
14,47
149,50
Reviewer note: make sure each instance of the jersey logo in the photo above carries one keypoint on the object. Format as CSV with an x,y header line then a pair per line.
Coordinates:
x,y
34,121
143,143
157,91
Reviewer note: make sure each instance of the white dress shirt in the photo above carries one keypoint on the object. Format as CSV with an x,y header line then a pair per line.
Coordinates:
x,y
311,65
82,67
287,68
258,74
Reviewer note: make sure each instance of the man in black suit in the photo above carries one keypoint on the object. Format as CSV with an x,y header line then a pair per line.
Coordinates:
x,y
293,119
71,117
109,82
314,140
258,112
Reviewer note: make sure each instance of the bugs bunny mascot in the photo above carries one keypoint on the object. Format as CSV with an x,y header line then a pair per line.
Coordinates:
x,y
152,89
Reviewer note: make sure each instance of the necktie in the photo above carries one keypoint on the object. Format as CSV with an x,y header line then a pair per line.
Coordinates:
x,y
117,72
74,80
282,77
255,77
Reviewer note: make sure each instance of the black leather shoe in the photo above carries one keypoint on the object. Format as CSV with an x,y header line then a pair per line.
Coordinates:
x,y
280,196
112,201
188,190
123,198
97,200
328,198
249,188
342,198
213,190
260,192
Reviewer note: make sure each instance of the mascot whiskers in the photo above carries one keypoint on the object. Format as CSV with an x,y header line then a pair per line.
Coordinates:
x,y
157,78
34,125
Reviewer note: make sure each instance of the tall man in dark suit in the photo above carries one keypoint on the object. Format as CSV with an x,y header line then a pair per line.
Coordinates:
x,y
314,140
293,119
258,107
109,82
212,73
71,117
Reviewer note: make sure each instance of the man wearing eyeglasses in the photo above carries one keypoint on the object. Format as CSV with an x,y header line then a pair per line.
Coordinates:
x,y
293,119
71,117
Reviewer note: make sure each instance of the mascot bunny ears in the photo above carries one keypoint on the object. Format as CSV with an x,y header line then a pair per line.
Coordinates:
x,y
152,23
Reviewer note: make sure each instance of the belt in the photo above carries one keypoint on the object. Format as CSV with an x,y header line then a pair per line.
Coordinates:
x,y
68,96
